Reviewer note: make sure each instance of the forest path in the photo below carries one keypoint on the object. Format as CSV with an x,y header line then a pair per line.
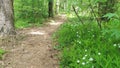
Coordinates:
x,y
36,50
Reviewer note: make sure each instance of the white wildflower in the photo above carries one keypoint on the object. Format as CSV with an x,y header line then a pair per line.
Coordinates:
x,y
83,63
115,45
84,58
87,62
91,59
79,42
99,53
86,55
78,61
119,46
92,66
85,50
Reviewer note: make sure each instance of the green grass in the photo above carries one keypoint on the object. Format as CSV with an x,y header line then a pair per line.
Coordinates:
x,y
87,46
2,52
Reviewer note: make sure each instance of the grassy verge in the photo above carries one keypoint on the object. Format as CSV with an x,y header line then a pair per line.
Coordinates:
x,y
87,46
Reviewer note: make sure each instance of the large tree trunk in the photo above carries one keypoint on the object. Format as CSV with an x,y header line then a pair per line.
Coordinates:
x,y
50,10
6,17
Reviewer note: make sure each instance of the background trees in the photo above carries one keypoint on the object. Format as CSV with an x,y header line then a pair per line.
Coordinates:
x,y
33,12
51,6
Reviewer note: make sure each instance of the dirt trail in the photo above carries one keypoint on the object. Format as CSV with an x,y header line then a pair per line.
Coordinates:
x,y
36,50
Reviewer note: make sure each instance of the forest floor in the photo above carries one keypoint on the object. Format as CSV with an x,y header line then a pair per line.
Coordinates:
x,y
35,49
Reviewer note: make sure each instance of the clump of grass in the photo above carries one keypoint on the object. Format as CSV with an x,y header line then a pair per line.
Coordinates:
x,y
2,52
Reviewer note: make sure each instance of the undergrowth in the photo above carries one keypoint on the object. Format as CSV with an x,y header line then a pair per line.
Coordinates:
x,y
24,23
87,46
28,13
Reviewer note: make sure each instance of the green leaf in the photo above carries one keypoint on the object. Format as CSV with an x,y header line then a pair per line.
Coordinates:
x,y
110,15
2,52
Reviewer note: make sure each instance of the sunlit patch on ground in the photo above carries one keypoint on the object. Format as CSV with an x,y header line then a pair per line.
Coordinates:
x,y
71,16
37,33
52,22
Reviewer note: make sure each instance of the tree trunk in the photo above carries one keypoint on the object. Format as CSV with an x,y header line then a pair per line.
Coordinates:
x,y
6,17
57,6
50,10
65,5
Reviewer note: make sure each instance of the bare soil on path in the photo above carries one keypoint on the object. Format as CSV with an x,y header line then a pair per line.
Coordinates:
x,y
35,50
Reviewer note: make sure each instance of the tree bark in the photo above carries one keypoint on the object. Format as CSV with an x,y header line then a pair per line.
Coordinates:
x,y
6,17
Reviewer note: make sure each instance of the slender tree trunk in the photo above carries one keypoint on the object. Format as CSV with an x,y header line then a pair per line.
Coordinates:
x,y
6,17
57,6
65,5
50,10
